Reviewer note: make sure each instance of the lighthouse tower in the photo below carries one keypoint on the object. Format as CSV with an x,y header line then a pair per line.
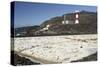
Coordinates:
x,y
77,17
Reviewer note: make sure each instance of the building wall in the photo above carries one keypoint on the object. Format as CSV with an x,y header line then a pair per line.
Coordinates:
x,y
68,22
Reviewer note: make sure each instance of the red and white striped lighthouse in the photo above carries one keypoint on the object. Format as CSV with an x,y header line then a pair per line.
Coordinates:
x,y
77,17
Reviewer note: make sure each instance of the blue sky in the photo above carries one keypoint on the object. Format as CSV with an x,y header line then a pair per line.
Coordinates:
x,y
29,14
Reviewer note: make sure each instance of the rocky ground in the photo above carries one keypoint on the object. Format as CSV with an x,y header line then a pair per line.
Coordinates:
x,y
57,49
18,60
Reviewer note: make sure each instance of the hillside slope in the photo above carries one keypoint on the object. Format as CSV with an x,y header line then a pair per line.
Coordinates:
x,y
87,25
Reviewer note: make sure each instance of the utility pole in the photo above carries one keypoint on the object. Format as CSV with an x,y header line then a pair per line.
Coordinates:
x,y
64,19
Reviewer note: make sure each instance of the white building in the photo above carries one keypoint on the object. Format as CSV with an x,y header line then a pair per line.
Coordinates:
x,y
77,17
76,21
68,22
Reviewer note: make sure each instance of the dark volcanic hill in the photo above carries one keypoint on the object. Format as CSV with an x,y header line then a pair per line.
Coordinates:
x,y
26,31
87,25
84,18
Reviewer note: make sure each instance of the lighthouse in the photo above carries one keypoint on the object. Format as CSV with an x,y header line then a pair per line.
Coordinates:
x,y
76,16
